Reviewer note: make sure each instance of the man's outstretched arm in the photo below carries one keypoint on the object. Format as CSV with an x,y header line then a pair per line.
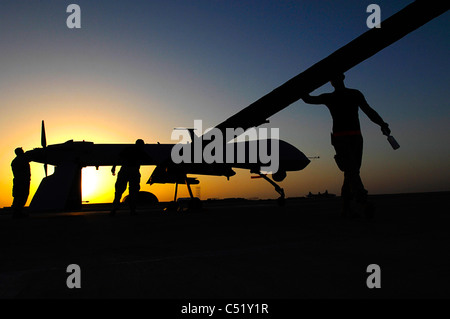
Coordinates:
x,y
374,116
320,99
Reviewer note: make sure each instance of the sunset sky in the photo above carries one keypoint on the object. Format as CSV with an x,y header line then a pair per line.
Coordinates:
x,y
138,69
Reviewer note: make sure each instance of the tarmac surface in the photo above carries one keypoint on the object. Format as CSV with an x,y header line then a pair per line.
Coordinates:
x,y
233,249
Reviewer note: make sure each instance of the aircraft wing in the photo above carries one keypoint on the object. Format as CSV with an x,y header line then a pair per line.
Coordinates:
x,y
366,45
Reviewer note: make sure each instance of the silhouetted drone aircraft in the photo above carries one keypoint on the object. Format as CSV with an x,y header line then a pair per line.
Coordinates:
x,y
62,189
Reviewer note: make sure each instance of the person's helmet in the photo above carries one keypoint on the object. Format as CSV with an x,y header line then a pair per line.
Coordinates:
x,y
338,77
140,142
18,151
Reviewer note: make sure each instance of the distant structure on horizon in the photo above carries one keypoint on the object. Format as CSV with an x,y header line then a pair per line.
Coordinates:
x,y
319,195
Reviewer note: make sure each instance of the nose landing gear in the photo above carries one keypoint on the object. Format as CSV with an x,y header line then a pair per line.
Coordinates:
x,y
281,200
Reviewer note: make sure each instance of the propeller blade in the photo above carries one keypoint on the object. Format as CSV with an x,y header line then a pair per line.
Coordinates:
x,y
44,144
43,137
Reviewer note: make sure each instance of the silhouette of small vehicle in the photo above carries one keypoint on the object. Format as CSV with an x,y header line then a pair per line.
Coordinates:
x,y
143,199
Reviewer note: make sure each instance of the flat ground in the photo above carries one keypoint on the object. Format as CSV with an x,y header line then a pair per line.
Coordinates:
x,y
233,249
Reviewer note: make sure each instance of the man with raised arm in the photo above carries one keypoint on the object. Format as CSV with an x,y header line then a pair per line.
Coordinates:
x,y
347,140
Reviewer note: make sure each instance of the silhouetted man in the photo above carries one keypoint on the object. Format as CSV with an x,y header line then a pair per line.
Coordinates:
x,y
21,183
346,138
130,159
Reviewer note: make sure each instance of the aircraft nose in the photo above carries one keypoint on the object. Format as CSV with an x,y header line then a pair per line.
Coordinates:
x,y
291,158
298,161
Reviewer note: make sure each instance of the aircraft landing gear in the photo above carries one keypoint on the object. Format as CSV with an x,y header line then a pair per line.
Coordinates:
x,y
281,200
194,202
183,204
